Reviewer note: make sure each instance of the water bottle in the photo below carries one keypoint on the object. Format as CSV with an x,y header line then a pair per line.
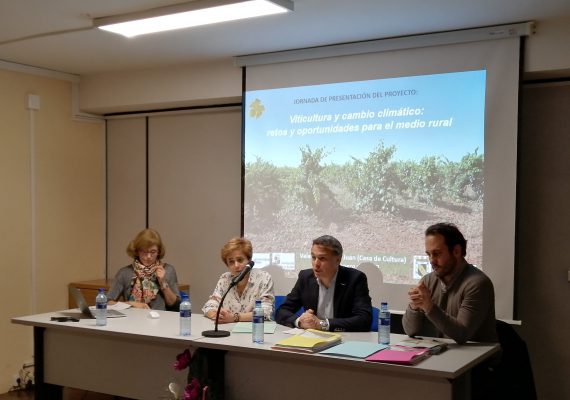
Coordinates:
x,y
101,308
257,331
185,315
384,324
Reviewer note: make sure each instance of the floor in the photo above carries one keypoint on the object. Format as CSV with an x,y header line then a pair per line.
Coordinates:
x,y
68,394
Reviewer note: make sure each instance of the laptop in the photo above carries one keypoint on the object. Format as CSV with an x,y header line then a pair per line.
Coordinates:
x,y
85,310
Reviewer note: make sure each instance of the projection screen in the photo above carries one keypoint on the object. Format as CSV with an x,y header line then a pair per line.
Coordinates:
x,y
372,149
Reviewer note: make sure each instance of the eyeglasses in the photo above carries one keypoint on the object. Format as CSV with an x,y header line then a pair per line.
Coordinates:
x,y
148,252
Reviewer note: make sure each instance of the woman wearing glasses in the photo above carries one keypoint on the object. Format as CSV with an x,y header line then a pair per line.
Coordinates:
x,y
147,282
239,302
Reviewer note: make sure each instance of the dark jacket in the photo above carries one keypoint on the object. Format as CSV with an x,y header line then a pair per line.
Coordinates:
x,y
352,305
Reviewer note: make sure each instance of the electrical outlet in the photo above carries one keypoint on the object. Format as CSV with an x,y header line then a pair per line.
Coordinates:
x,y
16,381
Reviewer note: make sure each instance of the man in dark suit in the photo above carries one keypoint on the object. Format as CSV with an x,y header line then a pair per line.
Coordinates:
x,y
335,298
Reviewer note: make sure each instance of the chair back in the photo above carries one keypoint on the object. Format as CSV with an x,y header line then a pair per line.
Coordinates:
x,y
374,324
514,377
280,299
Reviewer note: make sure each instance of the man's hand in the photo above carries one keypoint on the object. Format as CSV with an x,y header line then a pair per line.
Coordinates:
x,y
420,298
308,320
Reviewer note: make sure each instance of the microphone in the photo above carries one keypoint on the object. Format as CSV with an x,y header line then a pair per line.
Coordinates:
x,y
235,280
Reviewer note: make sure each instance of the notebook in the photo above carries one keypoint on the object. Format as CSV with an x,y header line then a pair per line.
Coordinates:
x,y
82,304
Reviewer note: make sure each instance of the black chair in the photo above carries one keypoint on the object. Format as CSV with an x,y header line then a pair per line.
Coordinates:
x,y
514,370
510,375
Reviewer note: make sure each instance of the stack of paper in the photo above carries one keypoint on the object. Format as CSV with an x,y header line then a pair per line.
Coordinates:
x,y
310,341
435,346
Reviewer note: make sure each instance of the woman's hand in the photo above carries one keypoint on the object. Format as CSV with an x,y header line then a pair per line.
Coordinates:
x,y
136,304
226,316
160,273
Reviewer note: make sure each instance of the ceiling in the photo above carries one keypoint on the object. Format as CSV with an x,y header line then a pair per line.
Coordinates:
x,y
29,29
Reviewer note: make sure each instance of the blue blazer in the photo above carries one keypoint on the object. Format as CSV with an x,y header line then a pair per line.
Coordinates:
x,y
352,305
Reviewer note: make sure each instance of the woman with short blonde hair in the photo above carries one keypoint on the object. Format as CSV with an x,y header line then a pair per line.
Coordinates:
x,y
239,303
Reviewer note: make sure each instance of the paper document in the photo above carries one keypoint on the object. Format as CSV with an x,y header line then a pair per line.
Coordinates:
x,y
435,346
247,327
119,306
294,331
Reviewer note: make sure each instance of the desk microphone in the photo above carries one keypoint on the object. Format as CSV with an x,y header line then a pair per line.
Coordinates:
x,y
235,280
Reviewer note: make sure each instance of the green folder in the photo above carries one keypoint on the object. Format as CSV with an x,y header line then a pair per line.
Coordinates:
x,y
246,327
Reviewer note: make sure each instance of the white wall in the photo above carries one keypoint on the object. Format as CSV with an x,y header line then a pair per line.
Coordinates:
x,y
548,51
52,172
547,54
179,86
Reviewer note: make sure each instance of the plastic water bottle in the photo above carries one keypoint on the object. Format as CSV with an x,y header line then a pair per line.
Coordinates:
x,y
101,308
185,315
384,324
257,331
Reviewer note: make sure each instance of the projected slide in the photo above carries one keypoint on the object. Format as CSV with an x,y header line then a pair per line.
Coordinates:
x,y
372,163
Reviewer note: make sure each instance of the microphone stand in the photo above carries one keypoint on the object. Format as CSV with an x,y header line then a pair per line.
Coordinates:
x,y
217,333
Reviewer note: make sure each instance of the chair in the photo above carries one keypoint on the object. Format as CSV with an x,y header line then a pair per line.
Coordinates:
x,y
280,299
514,370
374,324
509,377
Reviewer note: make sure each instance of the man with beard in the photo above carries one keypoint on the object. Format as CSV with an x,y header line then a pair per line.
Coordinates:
x,y
456,300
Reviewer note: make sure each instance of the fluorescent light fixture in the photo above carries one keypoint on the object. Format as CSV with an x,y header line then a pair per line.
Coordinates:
x,y
186,15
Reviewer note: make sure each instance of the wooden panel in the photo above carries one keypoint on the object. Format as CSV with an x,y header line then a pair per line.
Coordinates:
x,y
195,191
126,188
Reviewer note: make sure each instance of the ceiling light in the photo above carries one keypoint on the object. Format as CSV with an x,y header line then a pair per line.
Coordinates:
x,y
186,15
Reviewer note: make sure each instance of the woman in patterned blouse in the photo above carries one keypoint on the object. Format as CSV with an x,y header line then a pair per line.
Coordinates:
x,y
239,302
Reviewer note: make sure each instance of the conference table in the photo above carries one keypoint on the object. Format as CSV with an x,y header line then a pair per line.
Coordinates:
x,y
133,357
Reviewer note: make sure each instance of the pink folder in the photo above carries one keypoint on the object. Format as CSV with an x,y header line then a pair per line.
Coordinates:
x,y
400,355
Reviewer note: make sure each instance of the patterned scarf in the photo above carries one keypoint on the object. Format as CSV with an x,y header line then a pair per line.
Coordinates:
x,y
144,285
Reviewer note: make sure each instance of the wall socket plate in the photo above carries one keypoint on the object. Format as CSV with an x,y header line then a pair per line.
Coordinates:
x,y
33,102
